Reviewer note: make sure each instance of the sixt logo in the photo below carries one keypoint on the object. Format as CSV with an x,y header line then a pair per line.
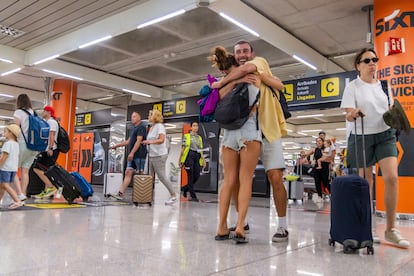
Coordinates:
x,y
392,21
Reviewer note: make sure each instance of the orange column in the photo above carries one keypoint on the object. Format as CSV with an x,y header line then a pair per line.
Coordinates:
x,y
63,100
394,44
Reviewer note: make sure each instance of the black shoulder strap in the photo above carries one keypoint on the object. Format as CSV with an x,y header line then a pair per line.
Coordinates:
x,y
384,85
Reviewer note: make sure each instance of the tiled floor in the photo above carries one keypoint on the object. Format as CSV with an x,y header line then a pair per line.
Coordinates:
x,y
179,240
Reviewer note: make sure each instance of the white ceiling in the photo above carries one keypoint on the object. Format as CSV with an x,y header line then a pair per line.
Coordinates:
x,y
168,59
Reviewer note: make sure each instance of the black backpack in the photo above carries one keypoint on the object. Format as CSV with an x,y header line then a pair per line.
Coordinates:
x,y
233,110
62,140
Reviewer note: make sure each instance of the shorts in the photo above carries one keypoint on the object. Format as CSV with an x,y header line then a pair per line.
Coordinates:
x,y
26,156
272,155
234,139
377,147
44,161
7,177
137,164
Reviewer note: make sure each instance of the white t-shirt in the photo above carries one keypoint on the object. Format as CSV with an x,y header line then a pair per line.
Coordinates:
x,y
24,123
54,127
153,134
12,161
372,101
253,91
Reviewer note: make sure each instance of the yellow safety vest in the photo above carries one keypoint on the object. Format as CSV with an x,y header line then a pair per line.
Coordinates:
x,y
187,148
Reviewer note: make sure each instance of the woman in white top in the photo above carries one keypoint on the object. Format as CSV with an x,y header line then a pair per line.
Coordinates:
x,y
240,151
364,97
158,151
26,156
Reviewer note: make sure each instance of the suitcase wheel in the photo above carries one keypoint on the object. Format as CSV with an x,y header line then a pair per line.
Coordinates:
x,y
350,246
331,242
370,250
85,198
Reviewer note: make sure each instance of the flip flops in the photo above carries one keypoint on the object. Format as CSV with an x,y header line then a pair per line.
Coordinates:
x,y
238,239
222,237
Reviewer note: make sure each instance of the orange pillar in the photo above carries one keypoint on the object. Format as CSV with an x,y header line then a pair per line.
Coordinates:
x,y
394,44
63,100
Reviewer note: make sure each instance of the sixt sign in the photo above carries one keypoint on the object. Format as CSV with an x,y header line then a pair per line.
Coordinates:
x,y
394,21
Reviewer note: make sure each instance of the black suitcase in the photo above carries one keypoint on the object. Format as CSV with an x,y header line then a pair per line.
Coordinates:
x,y
60,178
351,210
36,185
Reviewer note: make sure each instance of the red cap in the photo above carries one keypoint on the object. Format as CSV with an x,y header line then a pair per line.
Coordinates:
x,y
50,109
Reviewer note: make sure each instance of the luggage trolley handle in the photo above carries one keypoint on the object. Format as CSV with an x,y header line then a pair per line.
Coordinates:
x,y
361,115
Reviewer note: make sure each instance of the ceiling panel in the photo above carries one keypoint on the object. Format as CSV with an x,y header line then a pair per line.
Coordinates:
x,y
171,55
99,56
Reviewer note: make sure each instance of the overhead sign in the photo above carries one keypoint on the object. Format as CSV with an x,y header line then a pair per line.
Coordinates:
x,y
95,118
317,90
171,109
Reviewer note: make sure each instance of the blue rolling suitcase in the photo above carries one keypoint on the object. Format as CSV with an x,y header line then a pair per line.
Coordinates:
x,y
351,210
86,188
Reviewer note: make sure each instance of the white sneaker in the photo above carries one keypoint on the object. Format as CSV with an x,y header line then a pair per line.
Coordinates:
x,y
22,197
171,200
394,236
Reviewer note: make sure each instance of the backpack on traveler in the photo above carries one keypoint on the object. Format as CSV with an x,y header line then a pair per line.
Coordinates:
x,y
62,140
38,134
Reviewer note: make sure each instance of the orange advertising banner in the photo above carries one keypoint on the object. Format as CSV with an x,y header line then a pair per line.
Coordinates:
x,y
86,155
394,44
76,142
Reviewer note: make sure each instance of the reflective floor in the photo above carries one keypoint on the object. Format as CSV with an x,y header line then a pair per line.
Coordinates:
x,y
179,240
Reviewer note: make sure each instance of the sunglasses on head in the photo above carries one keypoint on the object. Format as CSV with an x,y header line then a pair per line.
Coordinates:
x,y
368,60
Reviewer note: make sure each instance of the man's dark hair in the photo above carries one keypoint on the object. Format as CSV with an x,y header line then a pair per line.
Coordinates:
x,y
244,42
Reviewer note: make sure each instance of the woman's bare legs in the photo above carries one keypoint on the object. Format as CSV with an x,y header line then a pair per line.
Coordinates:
x,y
231,172
249,156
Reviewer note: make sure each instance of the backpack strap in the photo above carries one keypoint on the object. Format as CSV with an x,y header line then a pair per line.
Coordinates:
x,y
384,85
29,114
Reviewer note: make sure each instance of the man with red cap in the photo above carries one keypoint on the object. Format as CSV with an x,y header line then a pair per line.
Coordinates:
x,y
48,158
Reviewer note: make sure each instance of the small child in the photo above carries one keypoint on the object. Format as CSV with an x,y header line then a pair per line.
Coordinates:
x,y
8,164
327,152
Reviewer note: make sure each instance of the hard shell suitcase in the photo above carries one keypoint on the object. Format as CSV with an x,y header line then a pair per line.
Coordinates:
x,y
143,186
86,188
294,185
60,178
351,210
112,183
142,189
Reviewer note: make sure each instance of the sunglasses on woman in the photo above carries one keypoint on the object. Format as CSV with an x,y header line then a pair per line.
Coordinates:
x,y
368,60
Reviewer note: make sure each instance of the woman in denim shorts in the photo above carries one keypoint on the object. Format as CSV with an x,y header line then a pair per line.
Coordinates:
x,y
364,97
240,151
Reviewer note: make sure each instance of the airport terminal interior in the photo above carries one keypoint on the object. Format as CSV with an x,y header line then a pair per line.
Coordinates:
x,y
121,61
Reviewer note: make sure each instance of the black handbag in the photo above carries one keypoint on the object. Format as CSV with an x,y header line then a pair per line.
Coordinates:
x,y
233,110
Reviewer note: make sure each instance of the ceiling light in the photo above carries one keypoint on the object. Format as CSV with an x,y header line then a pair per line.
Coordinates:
x,y
311,130
62,74
6,95
309,116
160,19
170,125
46,59
5,60
6,117
11,71
301,133
305,62
234,21
95,41
341,128
137,93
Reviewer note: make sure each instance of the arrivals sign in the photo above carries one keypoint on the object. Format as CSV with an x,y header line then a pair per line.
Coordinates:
x,y
317,90
171,109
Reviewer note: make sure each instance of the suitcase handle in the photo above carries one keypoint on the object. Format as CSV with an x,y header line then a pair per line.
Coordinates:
x,y
361,115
